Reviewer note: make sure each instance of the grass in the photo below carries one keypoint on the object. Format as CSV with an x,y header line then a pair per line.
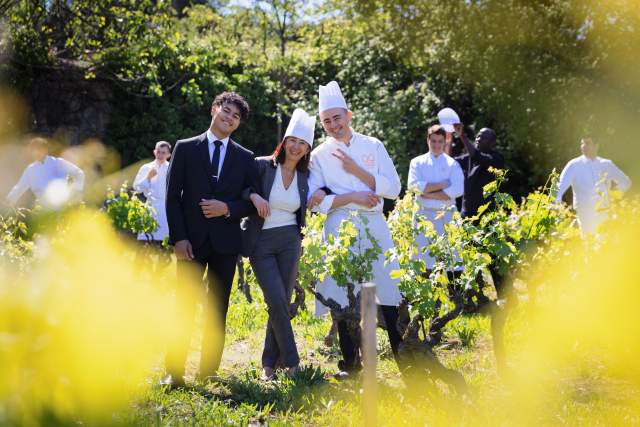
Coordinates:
x,y
314,398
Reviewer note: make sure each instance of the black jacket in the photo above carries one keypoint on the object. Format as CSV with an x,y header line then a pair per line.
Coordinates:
x,y
189,180
252,225
476,175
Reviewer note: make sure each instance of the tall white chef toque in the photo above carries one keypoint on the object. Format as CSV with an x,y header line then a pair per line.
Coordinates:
x,y
330,96
302,126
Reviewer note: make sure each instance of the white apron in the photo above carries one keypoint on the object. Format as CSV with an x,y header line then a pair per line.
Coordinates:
x,y
160,215
155,190
387,292
438,219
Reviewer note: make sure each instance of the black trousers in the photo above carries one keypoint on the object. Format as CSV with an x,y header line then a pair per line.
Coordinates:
x,y
220,270
350,353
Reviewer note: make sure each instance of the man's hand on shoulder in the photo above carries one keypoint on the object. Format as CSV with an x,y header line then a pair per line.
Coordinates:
x,y
212,208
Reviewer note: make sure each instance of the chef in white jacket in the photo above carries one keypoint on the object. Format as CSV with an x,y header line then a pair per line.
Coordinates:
x,y
439,179
48,178
152,181
590,178
359,172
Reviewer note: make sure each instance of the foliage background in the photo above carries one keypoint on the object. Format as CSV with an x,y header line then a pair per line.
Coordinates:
x,y
541,73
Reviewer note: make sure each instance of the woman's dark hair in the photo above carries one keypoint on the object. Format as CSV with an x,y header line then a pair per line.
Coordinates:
x,y
235,99
279,155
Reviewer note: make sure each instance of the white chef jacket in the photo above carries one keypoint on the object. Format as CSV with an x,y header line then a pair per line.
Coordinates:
x,y
430,169
40,174
590,180
327,171
156,191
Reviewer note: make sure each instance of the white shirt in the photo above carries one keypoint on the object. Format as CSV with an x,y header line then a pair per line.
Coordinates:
x,y
156,191
590,180
283,202
429,169
38,175
156,188
326,170
223,149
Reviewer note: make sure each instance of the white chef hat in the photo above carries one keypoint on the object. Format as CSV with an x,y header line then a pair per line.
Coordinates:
x,y
330,96
448,118
302,126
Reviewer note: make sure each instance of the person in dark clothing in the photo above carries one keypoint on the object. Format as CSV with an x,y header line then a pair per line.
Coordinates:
x,y
204,202
475,164
455,148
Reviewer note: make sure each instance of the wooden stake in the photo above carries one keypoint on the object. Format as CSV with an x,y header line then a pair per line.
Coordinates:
x,y
369,316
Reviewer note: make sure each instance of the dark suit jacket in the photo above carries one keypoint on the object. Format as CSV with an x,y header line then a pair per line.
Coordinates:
x,y
252,225
190,179
476,175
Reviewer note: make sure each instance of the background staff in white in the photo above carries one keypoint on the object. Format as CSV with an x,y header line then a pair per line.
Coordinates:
x,y
44,171
439,179
359,172
272,237
590,177
152,181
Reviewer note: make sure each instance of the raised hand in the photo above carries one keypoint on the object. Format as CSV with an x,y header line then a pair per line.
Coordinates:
x,y
348,164
152,172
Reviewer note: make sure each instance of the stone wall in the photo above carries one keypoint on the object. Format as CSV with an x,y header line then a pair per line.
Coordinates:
x,y
66,105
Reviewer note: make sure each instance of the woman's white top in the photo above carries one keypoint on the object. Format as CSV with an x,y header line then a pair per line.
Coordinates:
x,y
283,202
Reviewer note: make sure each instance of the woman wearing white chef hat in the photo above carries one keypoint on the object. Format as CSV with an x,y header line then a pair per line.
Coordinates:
x,y
271,238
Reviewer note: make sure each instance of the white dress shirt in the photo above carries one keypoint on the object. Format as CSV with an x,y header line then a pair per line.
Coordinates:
x,y
590,180
430,169
283,202
155,190
369,153
223,149
39,174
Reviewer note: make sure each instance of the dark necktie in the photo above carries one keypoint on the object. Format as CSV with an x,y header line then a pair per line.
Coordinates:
x,y
215,160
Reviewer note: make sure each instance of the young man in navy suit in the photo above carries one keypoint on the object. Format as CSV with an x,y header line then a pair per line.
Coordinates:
x,y
204,206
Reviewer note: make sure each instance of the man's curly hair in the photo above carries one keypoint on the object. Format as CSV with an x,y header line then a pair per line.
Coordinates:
x,y
235,99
